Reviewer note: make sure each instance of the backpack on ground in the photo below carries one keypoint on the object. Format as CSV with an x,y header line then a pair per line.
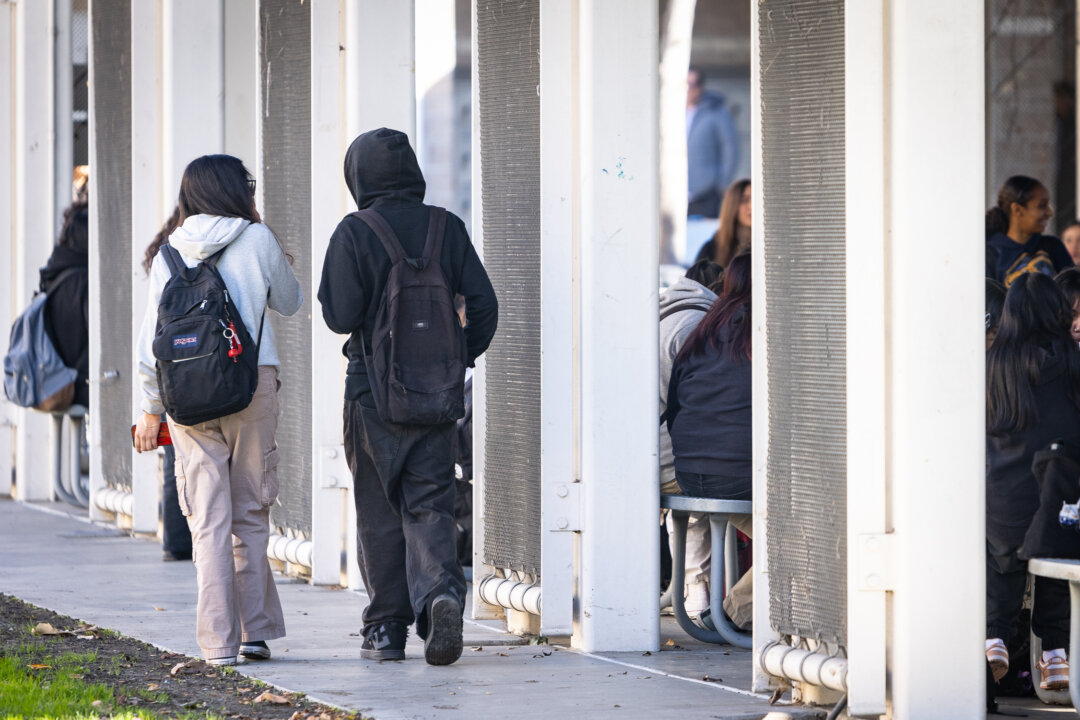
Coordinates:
x,y
207,365
35,375
417,361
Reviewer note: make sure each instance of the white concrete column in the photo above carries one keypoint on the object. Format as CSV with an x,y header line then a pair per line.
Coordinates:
x,y
380,34
241,80
935,356
8,304
560,493
763,632
377,34
35,210
619,217
481,610
63,103
148,213
331,480
193,86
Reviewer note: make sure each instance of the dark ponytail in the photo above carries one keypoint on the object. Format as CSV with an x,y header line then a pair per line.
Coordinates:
x,y
1017,189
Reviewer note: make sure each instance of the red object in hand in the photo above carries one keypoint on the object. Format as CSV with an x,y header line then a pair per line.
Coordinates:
x,y
163,436
235,348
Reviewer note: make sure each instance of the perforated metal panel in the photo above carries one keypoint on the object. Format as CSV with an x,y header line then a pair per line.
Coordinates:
x,y
285,62
508,40
802,105
1031,97
111,28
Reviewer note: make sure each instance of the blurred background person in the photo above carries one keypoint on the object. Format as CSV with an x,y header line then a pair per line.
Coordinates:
x,y
712,147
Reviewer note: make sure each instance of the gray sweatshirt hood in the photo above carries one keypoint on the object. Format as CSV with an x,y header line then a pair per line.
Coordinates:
x,y
203,235
684,289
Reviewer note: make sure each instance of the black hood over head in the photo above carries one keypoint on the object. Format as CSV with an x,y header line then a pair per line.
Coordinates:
x,y
380,166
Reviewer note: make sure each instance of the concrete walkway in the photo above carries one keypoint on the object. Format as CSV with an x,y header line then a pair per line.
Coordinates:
x,y
102,576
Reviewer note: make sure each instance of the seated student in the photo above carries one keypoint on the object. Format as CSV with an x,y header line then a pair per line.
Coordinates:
x,y
681,308
1032,399
709,405
1069,282
1070,238
66,281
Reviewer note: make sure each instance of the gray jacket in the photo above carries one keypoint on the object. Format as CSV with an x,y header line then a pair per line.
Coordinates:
x,y
673,332
252,265
712,151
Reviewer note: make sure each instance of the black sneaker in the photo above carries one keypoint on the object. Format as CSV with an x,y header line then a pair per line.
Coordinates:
x,y
384,642
255,650
443,643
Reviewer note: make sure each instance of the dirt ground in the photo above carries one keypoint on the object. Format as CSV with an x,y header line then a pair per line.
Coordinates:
x,y
133,669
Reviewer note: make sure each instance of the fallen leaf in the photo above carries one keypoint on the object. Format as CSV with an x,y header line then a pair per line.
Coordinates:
x,y
706,678
477,648
76,677
503,655
35,666
646,653
85,637
297,716
180,667
152,686
670,643
159,609
44,628
96,703
778,693
269,697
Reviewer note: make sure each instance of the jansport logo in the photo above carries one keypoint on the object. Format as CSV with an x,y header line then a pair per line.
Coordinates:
x,y
182,340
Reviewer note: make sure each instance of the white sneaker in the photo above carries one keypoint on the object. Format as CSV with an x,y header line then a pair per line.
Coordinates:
x,y
222,661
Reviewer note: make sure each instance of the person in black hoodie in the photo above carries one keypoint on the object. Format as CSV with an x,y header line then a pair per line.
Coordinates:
x,y
66,281
1032,400
1014,241
403,475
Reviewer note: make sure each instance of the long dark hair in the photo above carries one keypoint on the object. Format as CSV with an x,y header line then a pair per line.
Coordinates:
x,y
1017,189
160,239
220,185
217,185
1036,317
75,232
728,320
726,240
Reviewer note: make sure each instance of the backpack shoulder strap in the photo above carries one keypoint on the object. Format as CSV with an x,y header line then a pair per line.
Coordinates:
x,y
172,259
435,233
679,307
384,232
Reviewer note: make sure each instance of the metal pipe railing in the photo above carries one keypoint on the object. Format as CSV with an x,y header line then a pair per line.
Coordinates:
x,y
511,594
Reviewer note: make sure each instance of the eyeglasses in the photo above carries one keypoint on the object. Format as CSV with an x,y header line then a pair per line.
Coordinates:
x,y
251,185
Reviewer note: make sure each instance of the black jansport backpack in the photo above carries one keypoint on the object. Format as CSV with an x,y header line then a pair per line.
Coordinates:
x,y
417,360
207,365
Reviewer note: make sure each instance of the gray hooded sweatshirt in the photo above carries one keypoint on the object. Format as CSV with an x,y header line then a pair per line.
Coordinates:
x,y
252,265
674,329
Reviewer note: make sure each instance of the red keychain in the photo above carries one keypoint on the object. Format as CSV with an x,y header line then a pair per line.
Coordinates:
x,y
235,348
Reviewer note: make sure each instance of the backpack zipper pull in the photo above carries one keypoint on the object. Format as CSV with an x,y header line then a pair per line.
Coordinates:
x,y
202,305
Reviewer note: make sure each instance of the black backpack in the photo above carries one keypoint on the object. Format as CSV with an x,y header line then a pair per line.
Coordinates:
x,y
207,365
416,363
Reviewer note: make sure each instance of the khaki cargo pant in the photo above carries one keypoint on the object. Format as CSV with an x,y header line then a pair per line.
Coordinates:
x,y
226,480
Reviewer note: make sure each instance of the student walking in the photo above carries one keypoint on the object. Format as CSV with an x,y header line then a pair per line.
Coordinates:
x,y
403,470
226,465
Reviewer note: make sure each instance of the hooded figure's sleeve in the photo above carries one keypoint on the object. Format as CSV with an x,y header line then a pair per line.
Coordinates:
x,y
340,290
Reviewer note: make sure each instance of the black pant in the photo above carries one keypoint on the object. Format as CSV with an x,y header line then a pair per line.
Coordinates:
x,y
1006,576
175,534
403,487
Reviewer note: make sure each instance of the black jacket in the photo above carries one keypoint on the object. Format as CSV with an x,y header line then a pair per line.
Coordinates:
x,y
382,173
1005,258
67,312
1057,470
1012,493
709,413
